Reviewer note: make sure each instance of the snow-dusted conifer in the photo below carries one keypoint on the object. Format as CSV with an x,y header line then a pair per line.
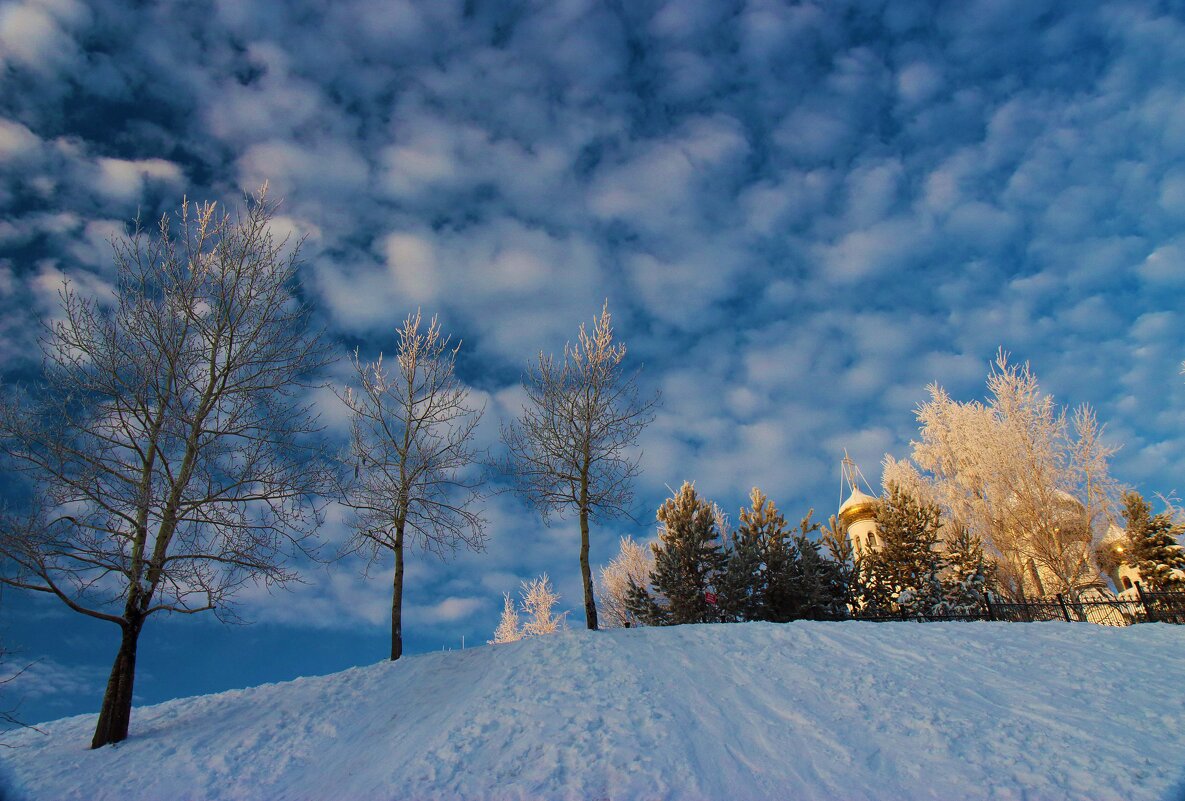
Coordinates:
x,y
688,560
966,578
1153,545
759,556
902,575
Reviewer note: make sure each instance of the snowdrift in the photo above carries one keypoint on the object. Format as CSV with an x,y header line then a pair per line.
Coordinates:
x,y
749,711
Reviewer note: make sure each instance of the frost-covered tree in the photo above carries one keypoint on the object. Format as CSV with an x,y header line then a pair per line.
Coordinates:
x,y
572,449
632,565
170,440
411,442
537,600
1154,545
538,604
509,629
688,561
1027,477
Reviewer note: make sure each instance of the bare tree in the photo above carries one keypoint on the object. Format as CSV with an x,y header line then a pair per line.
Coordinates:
x,y
166,442
412,441
573,447
1021,473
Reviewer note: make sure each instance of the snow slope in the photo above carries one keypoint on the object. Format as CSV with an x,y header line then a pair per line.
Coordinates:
x,y
748,711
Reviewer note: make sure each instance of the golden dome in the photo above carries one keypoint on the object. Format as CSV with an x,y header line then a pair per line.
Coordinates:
x,y
858,506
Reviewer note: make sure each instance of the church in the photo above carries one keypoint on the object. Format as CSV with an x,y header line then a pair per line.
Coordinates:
x,y
857,518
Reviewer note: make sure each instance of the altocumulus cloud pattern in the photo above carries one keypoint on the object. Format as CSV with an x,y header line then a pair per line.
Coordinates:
x,y
800,213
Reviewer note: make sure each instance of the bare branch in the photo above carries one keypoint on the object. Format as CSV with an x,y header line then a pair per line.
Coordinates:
x,y
573,447
169,448
411,444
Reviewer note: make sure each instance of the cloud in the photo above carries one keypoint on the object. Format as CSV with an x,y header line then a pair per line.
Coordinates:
x,y
448,610
125,180
36,34
16,141
46,679
801,214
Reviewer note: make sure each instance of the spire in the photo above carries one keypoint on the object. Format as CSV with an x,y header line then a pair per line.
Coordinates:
x,y
850,477
857,505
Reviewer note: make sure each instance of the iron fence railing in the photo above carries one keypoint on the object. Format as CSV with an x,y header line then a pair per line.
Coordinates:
x,y
1144,607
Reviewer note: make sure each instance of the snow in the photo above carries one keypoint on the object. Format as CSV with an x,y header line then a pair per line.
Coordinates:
x,y
746,711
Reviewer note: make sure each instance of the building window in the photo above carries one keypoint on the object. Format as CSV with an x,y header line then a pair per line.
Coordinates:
x,y
1127,583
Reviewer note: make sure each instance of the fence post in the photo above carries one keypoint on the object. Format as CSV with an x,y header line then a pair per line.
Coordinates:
x,y
987,599
1065,612
1144,603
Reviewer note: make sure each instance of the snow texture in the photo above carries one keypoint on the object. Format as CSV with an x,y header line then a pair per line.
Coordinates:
x,y
744,711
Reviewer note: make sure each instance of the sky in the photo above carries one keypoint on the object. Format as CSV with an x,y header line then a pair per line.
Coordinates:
x,y
800,215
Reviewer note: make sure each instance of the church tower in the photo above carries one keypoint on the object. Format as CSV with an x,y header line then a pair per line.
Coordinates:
x,y
857,514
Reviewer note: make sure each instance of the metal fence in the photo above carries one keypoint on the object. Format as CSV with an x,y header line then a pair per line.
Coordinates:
x,y
1144,607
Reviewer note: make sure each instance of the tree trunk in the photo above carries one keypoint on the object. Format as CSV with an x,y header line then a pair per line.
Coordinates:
x,y
397,601
590,604
116,714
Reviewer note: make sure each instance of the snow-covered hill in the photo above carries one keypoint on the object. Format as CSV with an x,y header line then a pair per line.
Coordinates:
x,y
748,711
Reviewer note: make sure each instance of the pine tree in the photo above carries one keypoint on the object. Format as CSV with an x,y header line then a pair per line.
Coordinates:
x,y
688,561
966,578
902,576
819,585
1153,546
756,583
776,575
839,547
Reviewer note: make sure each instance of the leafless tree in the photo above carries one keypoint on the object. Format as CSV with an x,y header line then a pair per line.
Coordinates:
x,y
412,443
168,443
573,447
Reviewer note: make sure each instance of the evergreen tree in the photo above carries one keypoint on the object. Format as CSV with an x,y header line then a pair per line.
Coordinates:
x,y
902,576
688,561
966,578
820,585
756,582
1153,545
839,547
776,575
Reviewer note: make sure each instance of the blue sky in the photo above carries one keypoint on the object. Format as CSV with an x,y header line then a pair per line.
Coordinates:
x,y
801,214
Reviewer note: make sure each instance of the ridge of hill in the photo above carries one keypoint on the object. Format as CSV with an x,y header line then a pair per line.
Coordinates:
x,y
804,710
